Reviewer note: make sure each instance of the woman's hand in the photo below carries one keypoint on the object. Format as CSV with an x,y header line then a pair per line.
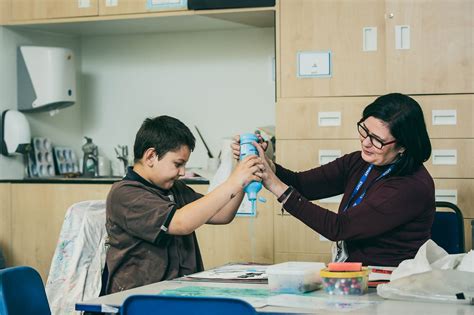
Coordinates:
x,y
249,169
235,146
269,178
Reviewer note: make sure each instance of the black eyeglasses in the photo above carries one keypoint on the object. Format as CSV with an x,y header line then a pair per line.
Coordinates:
x,y
376,142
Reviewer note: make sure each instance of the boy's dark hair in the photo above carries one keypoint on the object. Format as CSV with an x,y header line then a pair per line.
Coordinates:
x,y
406,123
164,134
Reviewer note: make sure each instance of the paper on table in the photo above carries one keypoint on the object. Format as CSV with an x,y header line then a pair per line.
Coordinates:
x,y
234,272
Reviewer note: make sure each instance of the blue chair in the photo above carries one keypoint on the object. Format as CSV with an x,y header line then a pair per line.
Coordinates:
x,y
184,305
22,292
448,228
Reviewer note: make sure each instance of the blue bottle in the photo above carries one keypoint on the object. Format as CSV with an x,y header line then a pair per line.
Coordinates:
x,y
247,148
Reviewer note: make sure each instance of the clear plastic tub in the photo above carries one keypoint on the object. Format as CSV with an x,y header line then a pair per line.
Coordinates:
x,y
294,277
345,282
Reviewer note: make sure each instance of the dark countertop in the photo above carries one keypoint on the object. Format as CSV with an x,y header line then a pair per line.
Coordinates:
x,y
84,180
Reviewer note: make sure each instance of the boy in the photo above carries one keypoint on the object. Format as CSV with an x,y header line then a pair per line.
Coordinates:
x,y
151,215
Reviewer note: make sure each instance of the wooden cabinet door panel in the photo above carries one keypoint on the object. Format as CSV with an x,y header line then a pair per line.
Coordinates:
x,y
441,47
337,26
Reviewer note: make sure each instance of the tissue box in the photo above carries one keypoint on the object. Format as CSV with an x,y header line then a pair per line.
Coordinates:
x,y
345,282
294,277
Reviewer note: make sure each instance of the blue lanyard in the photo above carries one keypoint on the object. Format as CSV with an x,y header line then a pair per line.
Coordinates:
x,y
362,181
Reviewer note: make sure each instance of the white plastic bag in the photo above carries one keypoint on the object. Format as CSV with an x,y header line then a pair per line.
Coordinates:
x,y
433,275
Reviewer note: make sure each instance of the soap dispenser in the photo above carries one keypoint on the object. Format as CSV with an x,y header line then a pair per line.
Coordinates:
x,y
90,164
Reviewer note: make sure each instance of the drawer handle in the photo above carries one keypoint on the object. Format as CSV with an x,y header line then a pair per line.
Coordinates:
x,y
444,157
326,156
329,119
449,195
444,117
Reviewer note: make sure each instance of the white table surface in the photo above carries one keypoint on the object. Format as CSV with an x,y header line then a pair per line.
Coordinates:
x,y
380,305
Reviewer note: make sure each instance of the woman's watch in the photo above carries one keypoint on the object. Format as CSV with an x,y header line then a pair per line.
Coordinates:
x,y
285,194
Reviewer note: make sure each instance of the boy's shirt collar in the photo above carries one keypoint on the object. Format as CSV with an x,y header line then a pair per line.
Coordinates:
x,y
132,175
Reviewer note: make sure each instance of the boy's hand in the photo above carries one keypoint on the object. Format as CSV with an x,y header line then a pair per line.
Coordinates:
x,y
247,170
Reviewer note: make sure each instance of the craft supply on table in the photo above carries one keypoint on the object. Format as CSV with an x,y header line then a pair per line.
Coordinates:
x,y
294,277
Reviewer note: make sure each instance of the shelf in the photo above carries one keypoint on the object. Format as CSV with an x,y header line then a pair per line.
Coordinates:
x,y
158,22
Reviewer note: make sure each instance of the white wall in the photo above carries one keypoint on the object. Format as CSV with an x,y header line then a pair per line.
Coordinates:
x,y
65,127
220,81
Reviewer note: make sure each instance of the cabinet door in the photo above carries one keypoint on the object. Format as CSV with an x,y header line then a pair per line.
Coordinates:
x,y
37,216
49,9
435,53
245,239
122,6
336,26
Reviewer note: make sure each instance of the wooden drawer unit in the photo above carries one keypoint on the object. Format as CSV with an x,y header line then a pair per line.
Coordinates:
x,y
24,10
320,118
245,239
284,257
293,236
459,191
448,116
467,234
451,158
301,155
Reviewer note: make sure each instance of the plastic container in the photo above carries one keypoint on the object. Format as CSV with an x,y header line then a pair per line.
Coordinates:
x,y
345,282
294,277
247,148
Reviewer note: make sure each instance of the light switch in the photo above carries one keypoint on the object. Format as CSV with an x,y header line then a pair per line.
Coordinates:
x,y
369,38
402,36
314,64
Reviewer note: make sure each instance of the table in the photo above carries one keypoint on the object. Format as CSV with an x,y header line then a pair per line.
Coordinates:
x,y
369,303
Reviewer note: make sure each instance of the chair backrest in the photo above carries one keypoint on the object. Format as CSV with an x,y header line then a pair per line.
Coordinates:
x,y
22,292
81,244
184,305
448,228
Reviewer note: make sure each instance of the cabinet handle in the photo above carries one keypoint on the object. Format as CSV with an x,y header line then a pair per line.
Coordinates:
x,y
449,195
402,37
326,156
329,119
445,157
369,38
444,117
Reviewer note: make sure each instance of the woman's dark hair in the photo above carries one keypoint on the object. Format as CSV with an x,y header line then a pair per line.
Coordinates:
x,y
406,123
164,134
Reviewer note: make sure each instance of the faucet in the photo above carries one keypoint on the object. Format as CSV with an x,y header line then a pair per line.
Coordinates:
x,y
122,156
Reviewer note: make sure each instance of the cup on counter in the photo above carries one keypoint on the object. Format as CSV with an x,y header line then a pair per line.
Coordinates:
x,y
104,166
117,168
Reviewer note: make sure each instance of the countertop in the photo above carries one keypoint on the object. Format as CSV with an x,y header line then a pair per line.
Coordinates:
x,y
86,180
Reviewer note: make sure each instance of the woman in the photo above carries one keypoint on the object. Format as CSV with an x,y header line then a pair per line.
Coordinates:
x,y
388,205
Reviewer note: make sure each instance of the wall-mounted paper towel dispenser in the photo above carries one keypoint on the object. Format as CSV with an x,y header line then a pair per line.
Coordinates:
x,y
46,78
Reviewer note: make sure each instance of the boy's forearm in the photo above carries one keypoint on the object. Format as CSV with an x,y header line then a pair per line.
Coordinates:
x,y
197,213
227,213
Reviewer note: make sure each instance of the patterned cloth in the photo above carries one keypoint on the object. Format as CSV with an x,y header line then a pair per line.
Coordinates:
x,y
79,258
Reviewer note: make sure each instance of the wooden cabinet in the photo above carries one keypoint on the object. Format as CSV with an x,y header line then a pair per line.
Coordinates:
x,y
122,7
246,239
37,214
440,58
31,218
422,47
24,10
